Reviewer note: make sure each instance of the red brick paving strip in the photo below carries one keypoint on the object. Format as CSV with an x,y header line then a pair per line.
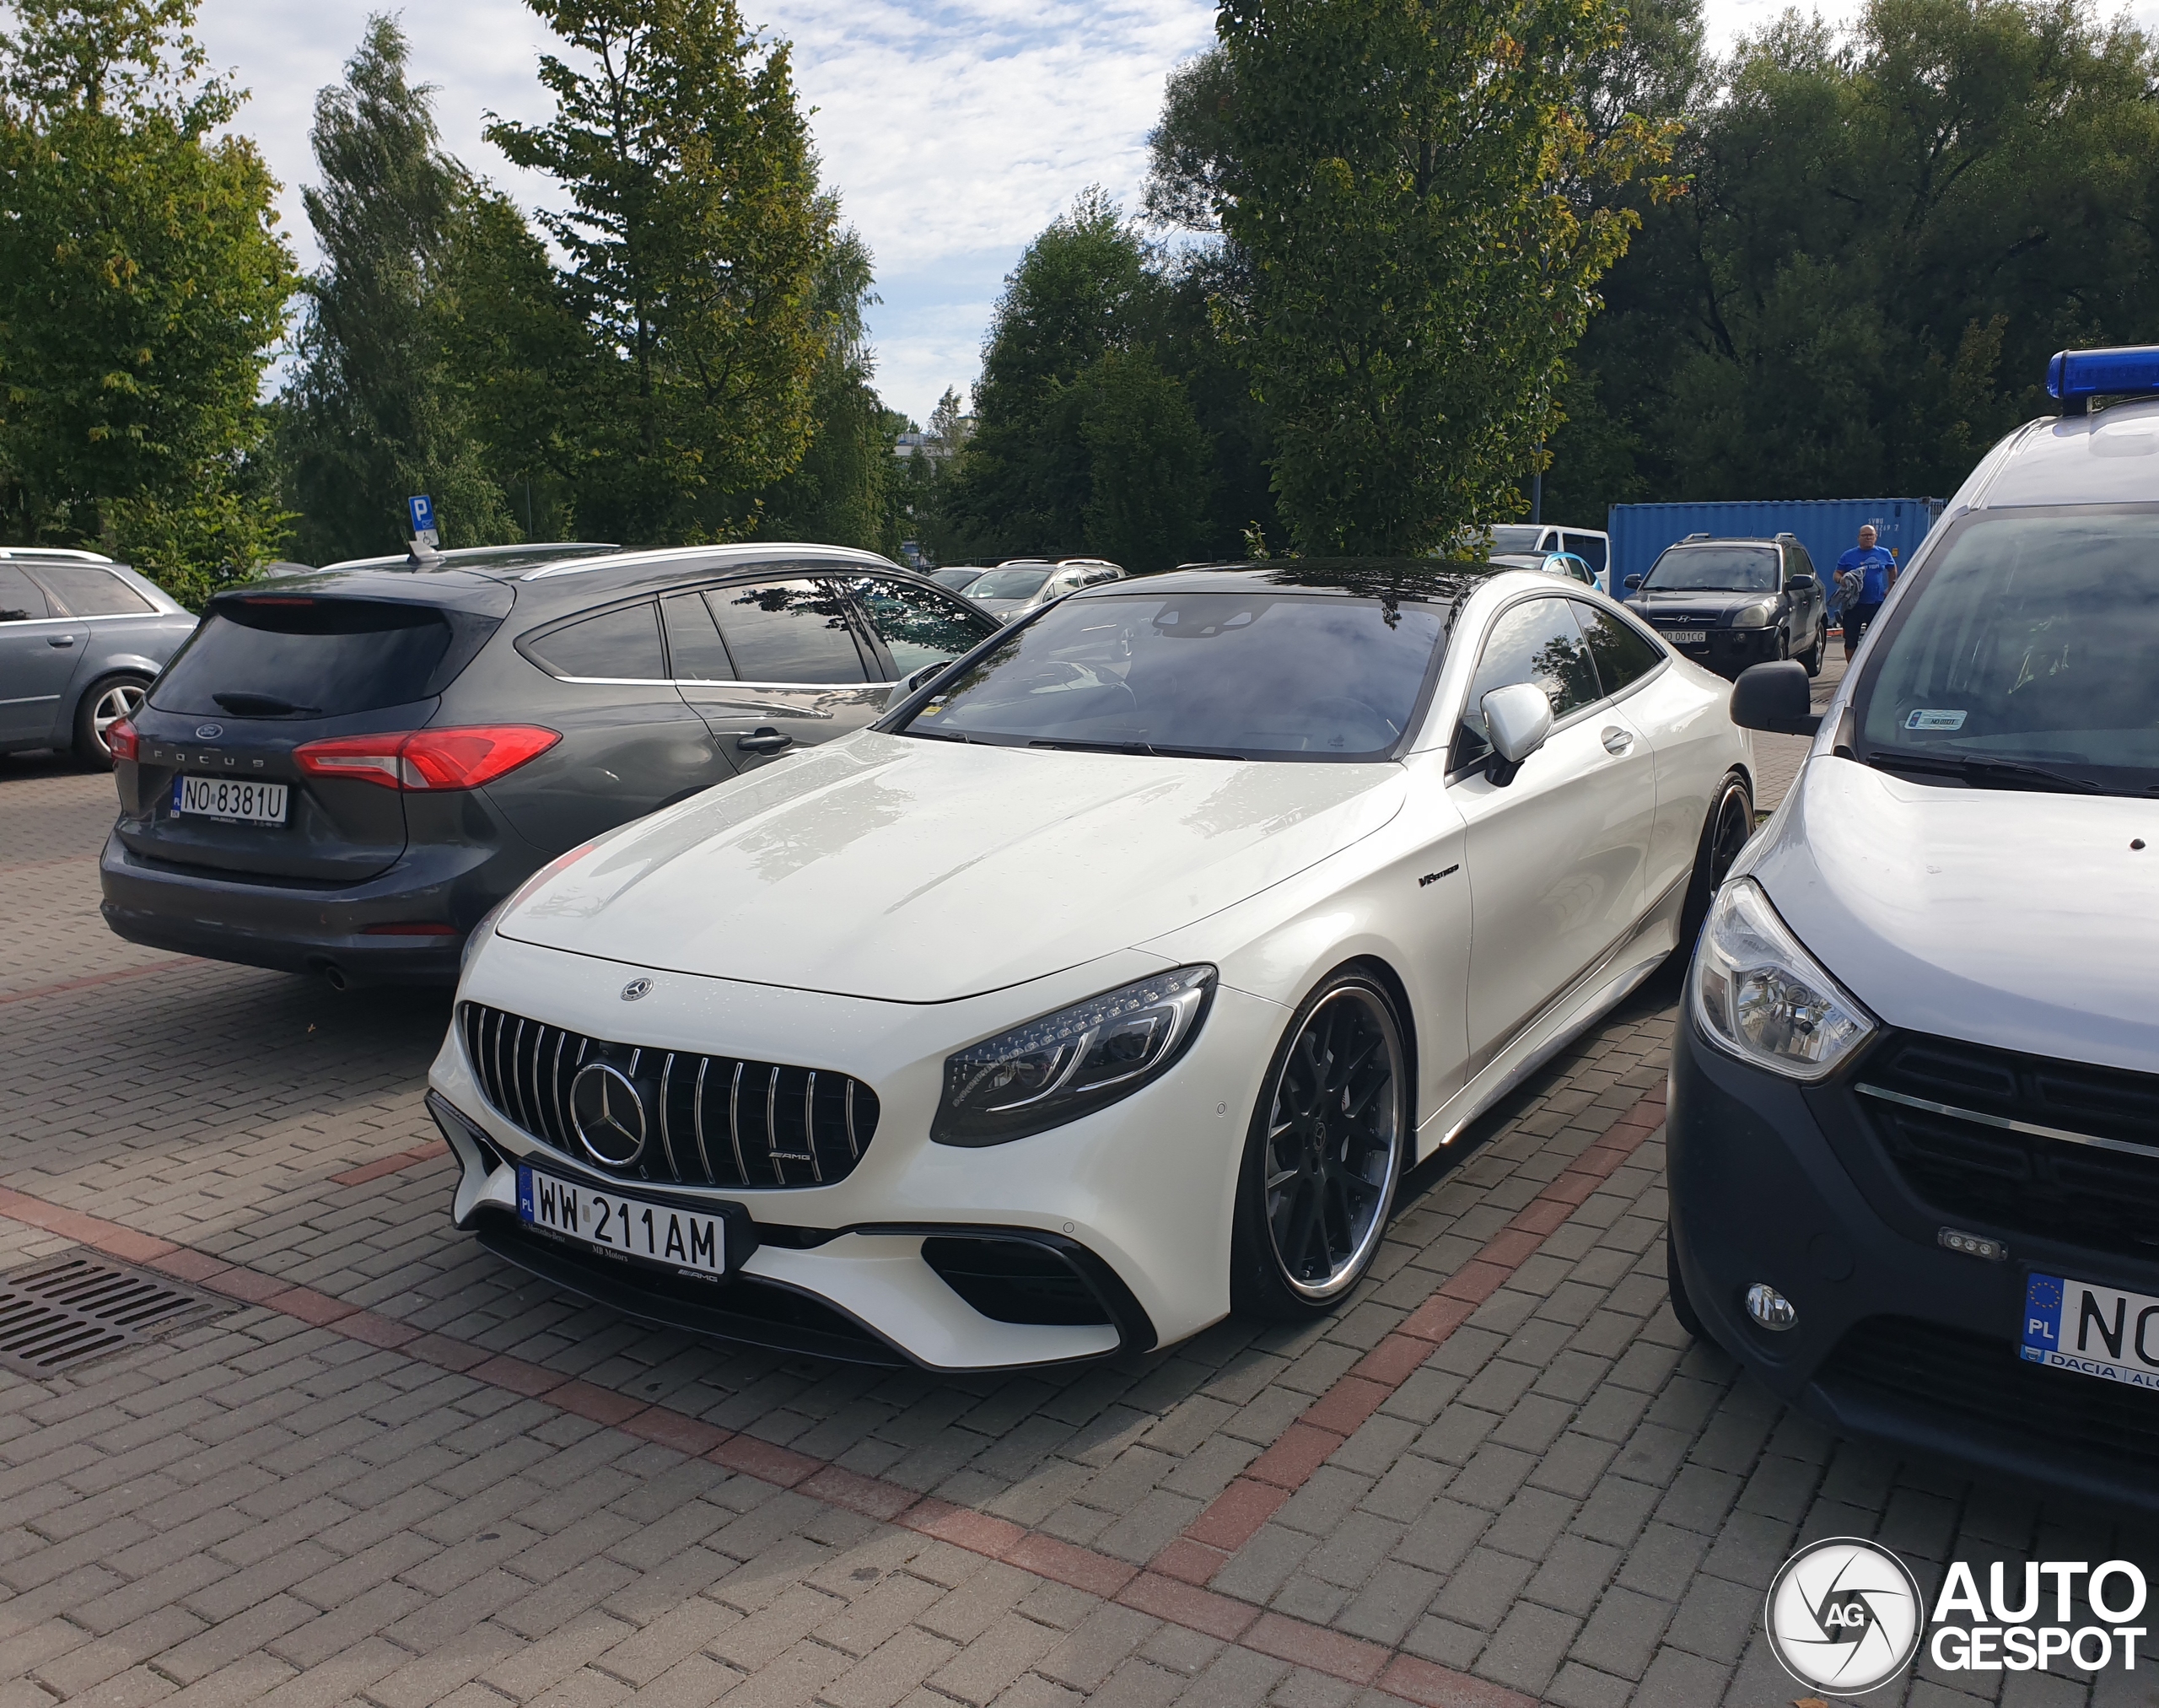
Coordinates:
x,y
96,978
1171,1588
1234,1516
390,1165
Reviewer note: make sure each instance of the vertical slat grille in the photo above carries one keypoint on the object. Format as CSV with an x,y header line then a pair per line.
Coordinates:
x,y
709,1120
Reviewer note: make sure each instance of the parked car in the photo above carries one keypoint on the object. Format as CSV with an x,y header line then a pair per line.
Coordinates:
x,y
1729,604
343,773
1113,978
1914,1119
1023,584
1541,539
80,638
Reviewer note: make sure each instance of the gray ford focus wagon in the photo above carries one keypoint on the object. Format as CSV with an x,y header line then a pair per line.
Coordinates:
x,y
344,773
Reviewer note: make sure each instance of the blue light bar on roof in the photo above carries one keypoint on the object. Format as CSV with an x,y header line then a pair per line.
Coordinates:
x,y
2129,371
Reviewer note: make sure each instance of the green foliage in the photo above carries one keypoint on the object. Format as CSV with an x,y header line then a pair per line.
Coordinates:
x,y
1420,201
1082,442
142,288
1885,238
695,239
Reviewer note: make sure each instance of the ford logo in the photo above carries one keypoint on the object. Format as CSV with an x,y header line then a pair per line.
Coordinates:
x,y
208,732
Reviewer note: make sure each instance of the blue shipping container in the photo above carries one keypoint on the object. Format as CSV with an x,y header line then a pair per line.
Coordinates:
x,y
1827,527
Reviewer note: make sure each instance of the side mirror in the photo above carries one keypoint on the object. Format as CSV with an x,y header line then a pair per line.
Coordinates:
x,y
1632,583
1517,719
1802,582
1774,697
922,678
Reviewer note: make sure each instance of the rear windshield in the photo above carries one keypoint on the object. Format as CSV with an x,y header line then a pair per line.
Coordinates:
x,y
1715,569
1235,675
2022,659
314,658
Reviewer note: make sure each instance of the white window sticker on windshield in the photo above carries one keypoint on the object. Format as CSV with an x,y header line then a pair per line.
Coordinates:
x,y
1935,720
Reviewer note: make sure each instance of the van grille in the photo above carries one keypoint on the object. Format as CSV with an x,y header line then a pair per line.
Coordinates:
x,y
703,1120
2102,1193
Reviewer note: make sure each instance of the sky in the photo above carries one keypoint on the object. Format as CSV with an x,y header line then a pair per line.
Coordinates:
x,y
952,130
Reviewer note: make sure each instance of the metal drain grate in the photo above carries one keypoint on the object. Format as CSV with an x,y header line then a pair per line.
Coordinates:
x,y
60,1314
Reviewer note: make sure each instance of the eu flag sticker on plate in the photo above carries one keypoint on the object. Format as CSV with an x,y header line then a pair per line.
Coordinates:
x,y
2042,1317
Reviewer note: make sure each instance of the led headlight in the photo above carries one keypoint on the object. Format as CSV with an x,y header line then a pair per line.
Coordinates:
x,y
1066,1065
1759,614
1763,998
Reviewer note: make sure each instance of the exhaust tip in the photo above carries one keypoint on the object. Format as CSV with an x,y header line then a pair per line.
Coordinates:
x,y
334,975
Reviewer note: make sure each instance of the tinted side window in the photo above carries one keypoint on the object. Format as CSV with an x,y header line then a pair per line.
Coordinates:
x,y
1590,549
1623,655
88,592
1536,641
789,631
622,645
917,626
694,652
21,599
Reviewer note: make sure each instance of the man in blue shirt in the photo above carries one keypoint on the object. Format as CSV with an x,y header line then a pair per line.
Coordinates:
x,y
1864,575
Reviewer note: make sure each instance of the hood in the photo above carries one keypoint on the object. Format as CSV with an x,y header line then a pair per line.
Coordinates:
x,y
910,870
1710,607
2000,917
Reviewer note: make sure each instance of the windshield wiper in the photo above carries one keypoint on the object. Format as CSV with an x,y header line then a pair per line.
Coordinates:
x,y
260,705
1984,773
1148,748
943,736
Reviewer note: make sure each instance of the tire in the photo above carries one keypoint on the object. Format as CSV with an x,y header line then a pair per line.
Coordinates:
x,y
1812,658
1725,832
1329,1140
1675,1288
110,698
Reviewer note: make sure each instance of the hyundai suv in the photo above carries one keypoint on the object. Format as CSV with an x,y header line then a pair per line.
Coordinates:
x,y
344,773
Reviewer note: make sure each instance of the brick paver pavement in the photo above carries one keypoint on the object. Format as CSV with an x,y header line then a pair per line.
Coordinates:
x,y
394,1471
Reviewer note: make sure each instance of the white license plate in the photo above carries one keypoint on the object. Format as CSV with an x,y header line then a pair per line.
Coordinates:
x,y
682,1240
234,798
2092,1330
1686,637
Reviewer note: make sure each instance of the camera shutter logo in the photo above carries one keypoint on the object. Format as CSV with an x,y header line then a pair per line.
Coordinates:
x,y
608,1114
1844,1616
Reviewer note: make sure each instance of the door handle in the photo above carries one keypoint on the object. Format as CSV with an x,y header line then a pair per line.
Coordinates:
x,y
763,739
60,640
1617,739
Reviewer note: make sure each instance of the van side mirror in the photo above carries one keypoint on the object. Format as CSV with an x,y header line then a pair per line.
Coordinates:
x,y
1774,697
1517,718
1633,582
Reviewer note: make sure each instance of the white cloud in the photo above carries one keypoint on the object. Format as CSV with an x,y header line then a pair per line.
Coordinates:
x,y
954,130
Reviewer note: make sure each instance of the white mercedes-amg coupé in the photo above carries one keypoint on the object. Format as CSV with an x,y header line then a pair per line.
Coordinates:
x,y
1109,983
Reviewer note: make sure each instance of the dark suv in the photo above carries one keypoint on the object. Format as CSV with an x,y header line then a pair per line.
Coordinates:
x,y
1729,604
343,773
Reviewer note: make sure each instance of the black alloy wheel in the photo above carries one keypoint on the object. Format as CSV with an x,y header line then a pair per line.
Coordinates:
x,y
1325,1153
1726,830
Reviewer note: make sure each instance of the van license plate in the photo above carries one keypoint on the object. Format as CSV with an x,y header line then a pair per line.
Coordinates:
x,y
231,798
1686,637
659,1234
2092,1330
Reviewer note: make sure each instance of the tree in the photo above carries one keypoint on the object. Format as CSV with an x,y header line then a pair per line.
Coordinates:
x,y
695,238
372,413
142,288
1417,192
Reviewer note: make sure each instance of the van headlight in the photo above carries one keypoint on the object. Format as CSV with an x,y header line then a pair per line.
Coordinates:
x,y
1763,998
1069,1064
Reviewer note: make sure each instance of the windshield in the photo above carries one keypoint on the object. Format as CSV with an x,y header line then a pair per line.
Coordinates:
x,y
1240,676
1008,584
2024,658
1714,570
1516,538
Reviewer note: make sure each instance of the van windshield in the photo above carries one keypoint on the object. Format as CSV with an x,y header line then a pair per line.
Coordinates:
x,y
2023,658
1231,676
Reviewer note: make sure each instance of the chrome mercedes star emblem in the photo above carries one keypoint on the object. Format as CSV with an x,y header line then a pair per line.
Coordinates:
x,y
208,732
635,988
608,1115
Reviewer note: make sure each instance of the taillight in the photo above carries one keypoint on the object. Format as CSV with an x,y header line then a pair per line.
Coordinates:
x,y
454,758
121,741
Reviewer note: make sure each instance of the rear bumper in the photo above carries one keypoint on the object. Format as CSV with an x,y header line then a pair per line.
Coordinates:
x,y
291,929
1896,1339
